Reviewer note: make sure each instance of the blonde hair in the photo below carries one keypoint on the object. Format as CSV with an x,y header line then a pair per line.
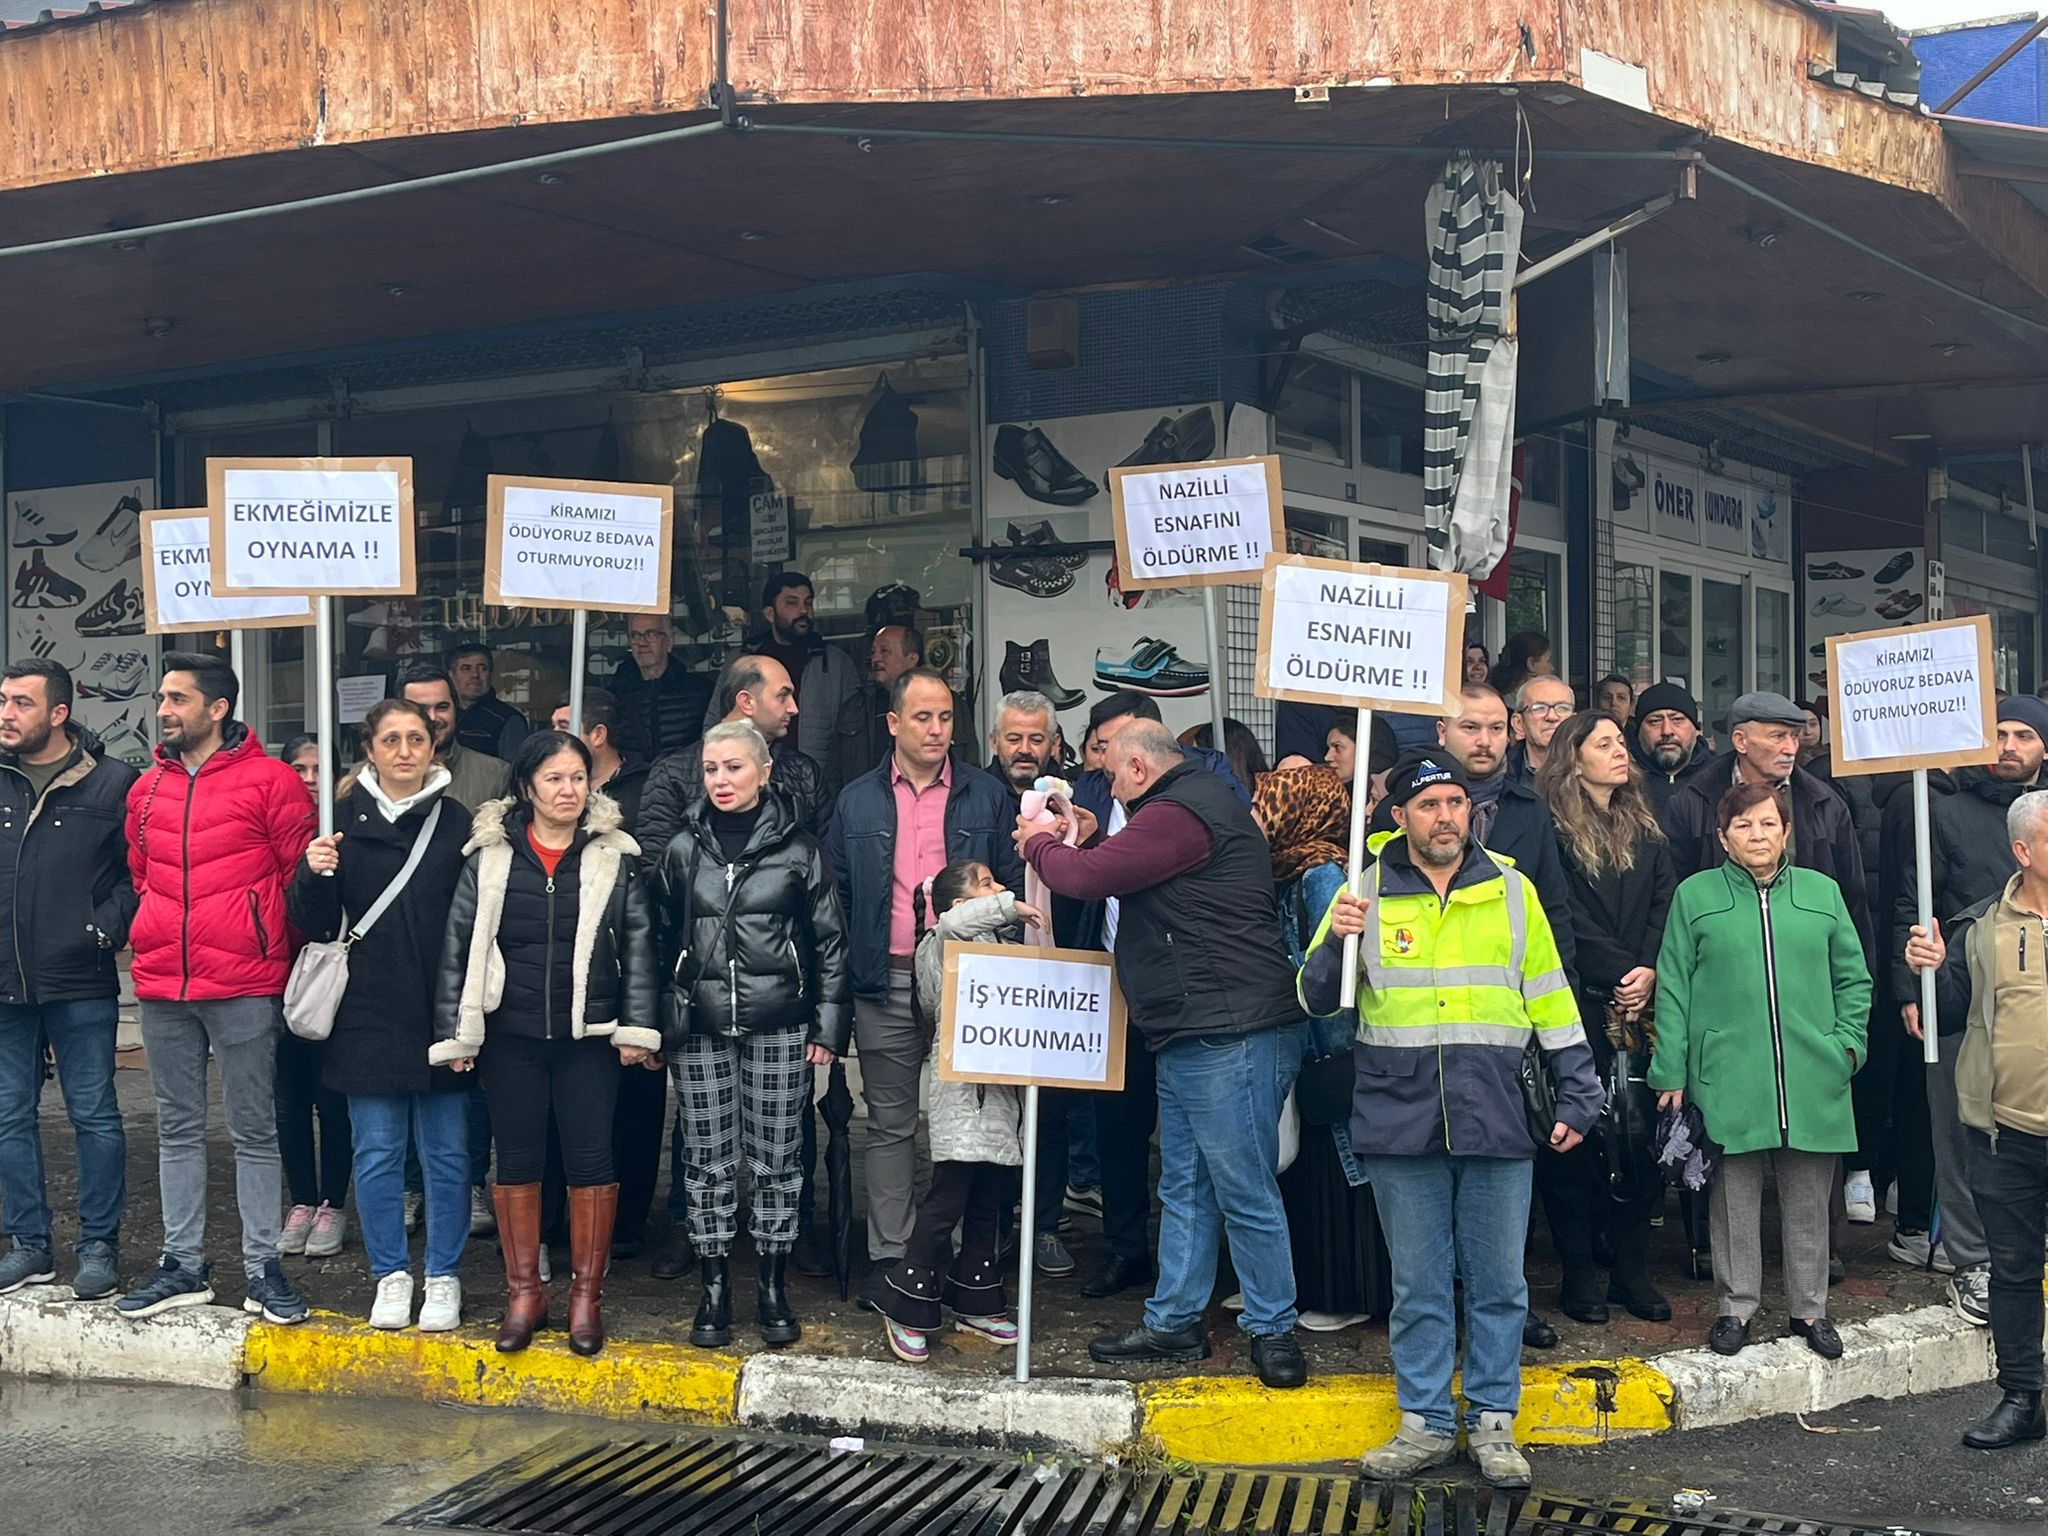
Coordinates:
x,y
742,731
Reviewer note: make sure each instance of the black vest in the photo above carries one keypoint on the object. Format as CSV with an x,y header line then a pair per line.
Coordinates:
x,y
1202,953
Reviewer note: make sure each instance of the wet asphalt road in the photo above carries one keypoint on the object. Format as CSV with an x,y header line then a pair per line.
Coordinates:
x,y
167,1462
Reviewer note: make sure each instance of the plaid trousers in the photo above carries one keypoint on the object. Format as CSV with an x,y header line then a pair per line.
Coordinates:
x,y
732,1094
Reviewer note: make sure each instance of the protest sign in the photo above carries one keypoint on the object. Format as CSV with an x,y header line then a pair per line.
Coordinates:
x,y
1360,636
177,582
578,544
1920,696
1049,1017
1196,525
768,523
311,527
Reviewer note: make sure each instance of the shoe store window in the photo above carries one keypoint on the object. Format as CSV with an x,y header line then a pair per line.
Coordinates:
x,y
1774,672
1313,417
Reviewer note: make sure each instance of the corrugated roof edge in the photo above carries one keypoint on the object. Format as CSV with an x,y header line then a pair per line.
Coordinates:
x,y
58,17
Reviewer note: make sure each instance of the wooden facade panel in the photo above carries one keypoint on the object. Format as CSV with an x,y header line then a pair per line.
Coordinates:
x,y
266,74
184,85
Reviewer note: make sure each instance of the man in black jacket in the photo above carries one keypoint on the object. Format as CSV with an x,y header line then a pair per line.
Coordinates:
x,y
66,897
621,775
487,723
1664,738
661,705
862,738
1972,861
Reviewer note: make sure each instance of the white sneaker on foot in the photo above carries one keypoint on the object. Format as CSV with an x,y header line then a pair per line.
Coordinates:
x,y
442,1311
393,1306
1969,1292
1415,1448
1860,1197
298,1226
330,1231
1501,1461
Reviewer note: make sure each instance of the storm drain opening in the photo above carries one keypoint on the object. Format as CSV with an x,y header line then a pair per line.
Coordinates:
x,y
705,1485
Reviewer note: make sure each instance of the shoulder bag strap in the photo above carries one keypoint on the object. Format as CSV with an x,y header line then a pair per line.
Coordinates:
x,y
391,891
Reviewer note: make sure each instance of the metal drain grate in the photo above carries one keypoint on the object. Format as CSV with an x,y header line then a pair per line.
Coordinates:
x,y
774,1486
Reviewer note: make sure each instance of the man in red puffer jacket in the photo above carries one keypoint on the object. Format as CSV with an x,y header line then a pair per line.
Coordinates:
x,y
215,829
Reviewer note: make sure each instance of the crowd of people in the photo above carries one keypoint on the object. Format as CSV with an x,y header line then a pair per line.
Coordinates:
x,y
1580,931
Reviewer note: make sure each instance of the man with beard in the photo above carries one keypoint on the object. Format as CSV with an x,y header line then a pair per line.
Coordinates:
x,y
66,898
1024,741
1972,862
862,737
825,677
1664,739
474,777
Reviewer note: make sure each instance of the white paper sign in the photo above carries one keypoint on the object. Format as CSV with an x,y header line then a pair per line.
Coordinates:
x,y
313,530
768,522
355,696
1362,636
584,548
1923,691
1020,1015
180,555
1179,524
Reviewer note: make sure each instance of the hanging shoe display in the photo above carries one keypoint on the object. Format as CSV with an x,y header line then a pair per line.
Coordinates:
x,y
37,586
1026,457
1028,669
1176,440
118,539
1152,667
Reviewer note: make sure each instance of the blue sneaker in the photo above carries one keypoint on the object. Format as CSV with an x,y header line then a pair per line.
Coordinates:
x,y
1152,667
28,1264
272,1298
173,1285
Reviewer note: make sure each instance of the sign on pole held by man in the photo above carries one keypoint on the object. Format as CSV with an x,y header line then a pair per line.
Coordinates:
x,y
1361,637
1917,697
177,583
1035,1018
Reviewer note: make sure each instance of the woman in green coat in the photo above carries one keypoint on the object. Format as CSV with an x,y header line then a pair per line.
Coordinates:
x,y
1762,994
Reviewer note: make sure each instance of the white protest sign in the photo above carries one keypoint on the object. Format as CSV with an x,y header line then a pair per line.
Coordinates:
x,y
1013,1014
768,525
356,696
578,544
1921,696
311,526
177,582
1196,525
1360,636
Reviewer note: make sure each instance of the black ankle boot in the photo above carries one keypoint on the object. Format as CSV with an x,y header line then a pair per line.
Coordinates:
x,y
713,1328
778,1323
2017,1418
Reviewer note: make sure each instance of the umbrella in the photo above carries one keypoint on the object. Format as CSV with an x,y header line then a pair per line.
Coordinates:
x,y
836,1108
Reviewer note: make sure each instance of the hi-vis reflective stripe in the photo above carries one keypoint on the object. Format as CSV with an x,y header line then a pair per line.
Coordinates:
x,y
1514,1037
1385,977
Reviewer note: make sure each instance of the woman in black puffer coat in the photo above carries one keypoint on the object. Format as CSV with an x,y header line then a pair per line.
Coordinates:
x,y
757,994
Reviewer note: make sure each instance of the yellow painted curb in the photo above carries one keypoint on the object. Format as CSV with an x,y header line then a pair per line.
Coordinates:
x,y
1337,1418
337,1355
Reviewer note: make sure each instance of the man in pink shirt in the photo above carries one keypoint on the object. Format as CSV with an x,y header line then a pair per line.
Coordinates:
x,y
892,829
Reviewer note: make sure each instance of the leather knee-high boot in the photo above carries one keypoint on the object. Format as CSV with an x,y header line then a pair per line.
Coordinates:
x,y
526,1304
592,1211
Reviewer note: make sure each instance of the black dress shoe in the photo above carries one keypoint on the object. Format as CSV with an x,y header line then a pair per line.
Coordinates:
x,y
1640,1299
1820,1337
1537,1334
2017,1418
1026,457
1592,1313
1143,1344
1182,440
1728,1336
1116,1275
874,1290
1279,1360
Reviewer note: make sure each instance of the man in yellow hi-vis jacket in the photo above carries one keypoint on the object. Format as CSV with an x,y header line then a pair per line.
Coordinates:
x,y
1458,973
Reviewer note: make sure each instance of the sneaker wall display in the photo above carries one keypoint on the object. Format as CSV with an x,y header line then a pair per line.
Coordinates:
x,y
1059,619
74,561
1848,591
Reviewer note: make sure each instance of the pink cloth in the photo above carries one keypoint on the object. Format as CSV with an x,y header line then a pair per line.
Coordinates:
x,y
920,848
1042,808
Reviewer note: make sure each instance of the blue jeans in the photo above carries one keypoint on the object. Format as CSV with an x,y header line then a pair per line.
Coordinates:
x,y
1219,1144
1444,1217
82,1035
478,1133
440,1129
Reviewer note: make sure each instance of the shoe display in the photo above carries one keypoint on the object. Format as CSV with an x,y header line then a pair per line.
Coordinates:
x,y
393,1306
1820,1336
33,531
1028,668
442,1310
1894,568
172,1285
329,1232
1834,570
1728,1336
1860,1197
1627,478
298,1226
906,1344
99,1270
1837,605
1415,1448
270,1296
1118,1274
1144,1345
27,1264
1038,576
997,1330
1501,1461
1176,440
1900,604
1969,1292
37,586
1026,457
483,1221
2017,1418
1048,543
1118,597
115,676
1051,1256
1818,679
117,540
118,612
1152,667
1279,1360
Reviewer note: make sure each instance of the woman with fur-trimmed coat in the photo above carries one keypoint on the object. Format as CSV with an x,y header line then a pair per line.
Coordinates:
x,y
547,987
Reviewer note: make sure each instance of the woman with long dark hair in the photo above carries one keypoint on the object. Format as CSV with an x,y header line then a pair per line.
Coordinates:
x,y
1619,876
547,987
1526,655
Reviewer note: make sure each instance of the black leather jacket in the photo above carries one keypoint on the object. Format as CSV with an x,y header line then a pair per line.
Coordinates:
x,y
752,946
671,794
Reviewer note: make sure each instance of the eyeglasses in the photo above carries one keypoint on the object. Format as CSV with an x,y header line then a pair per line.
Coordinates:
x,y
1560,710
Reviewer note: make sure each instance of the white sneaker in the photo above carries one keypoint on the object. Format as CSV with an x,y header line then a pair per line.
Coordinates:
x,y
393,1307
442,1312
298,1226
483,1218
1969,1292
1501,1461
1860,1197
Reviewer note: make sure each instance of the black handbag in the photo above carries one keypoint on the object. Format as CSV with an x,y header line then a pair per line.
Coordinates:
x,y
1626,1128
1323,1089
